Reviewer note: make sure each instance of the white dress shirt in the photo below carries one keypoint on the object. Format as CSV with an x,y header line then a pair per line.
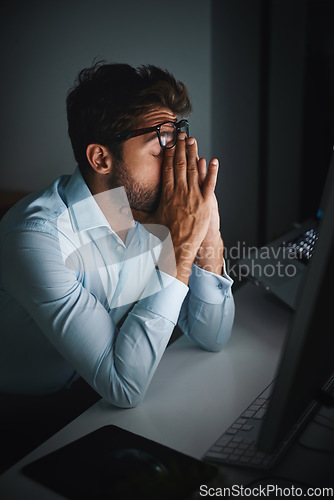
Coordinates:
x,y
75,300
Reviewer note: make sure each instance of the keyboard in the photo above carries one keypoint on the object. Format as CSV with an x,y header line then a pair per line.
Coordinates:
x,y
302,247
237,446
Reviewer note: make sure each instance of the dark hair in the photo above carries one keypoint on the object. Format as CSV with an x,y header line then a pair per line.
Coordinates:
x,y
109,98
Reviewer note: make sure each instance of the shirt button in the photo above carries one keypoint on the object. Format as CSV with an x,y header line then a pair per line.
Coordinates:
x,y
119,248
220,286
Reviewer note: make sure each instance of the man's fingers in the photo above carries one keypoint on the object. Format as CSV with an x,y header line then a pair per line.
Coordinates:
x,y
210,180
192,167
168,169
180,161
182,167
201,165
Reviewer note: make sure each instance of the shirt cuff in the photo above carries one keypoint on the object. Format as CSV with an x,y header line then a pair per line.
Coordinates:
x,y
209,287
165,298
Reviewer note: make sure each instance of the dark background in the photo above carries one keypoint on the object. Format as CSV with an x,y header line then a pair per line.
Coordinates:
x,y
273,112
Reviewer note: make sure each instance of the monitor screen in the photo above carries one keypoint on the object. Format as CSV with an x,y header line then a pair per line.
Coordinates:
x,y
327,188
307,361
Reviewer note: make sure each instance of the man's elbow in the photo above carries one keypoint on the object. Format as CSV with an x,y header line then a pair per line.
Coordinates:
x,y
216,345
125,400
216,341
131,403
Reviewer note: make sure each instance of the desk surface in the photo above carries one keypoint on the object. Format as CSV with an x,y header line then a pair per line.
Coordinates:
x,y
194,395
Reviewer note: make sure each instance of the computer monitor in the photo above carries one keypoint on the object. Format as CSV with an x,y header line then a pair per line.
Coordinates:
x,y
307,362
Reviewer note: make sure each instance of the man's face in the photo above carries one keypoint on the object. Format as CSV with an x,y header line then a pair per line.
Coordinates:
x,y
140,170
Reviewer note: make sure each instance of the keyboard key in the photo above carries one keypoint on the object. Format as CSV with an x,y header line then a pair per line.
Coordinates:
x,y
260,414
231,431
224,440
254,407
247,427
238,452
216,448
241,421
237,439
267,392
248,414
248,441
233,445
228,450
236,426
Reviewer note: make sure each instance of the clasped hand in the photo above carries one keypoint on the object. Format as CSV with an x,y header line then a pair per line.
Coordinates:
x,y
189,209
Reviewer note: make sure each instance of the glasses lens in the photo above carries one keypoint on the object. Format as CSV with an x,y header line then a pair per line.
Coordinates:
x,y
168,135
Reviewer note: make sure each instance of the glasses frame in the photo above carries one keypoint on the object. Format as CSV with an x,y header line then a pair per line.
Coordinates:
x,y
124,136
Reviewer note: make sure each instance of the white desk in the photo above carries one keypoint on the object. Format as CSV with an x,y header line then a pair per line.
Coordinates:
x,y
194,395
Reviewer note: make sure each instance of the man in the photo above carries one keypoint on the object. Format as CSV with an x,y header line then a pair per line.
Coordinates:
x,y
97,269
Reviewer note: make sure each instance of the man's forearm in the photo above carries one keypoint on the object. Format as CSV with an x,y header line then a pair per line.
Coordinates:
x,y
210,303
211,257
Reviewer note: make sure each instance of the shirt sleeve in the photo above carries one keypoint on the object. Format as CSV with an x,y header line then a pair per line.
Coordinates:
x,y
117,363
207,313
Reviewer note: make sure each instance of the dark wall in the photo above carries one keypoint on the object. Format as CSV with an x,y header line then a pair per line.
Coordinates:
x,y
273,89
236,28
45,43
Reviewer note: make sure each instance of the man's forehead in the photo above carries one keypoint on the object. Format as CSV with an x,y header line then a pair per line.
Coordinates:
x,y
156,116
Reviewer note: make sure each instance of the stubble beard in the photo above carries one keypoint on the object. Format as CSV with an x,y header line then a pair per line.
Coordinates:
x,y
140,196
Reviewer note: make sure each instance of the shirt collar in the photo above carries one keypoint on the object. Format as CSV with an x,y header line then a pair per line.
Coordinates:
x,y
83,210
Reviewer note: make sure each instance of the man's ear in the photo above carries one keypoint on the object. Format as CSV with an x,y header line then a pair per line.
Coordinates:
x,y
99,158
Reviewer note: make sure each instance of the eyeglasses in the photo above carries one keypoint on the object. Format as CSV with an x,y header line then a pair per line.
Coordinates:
x,y
167,133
